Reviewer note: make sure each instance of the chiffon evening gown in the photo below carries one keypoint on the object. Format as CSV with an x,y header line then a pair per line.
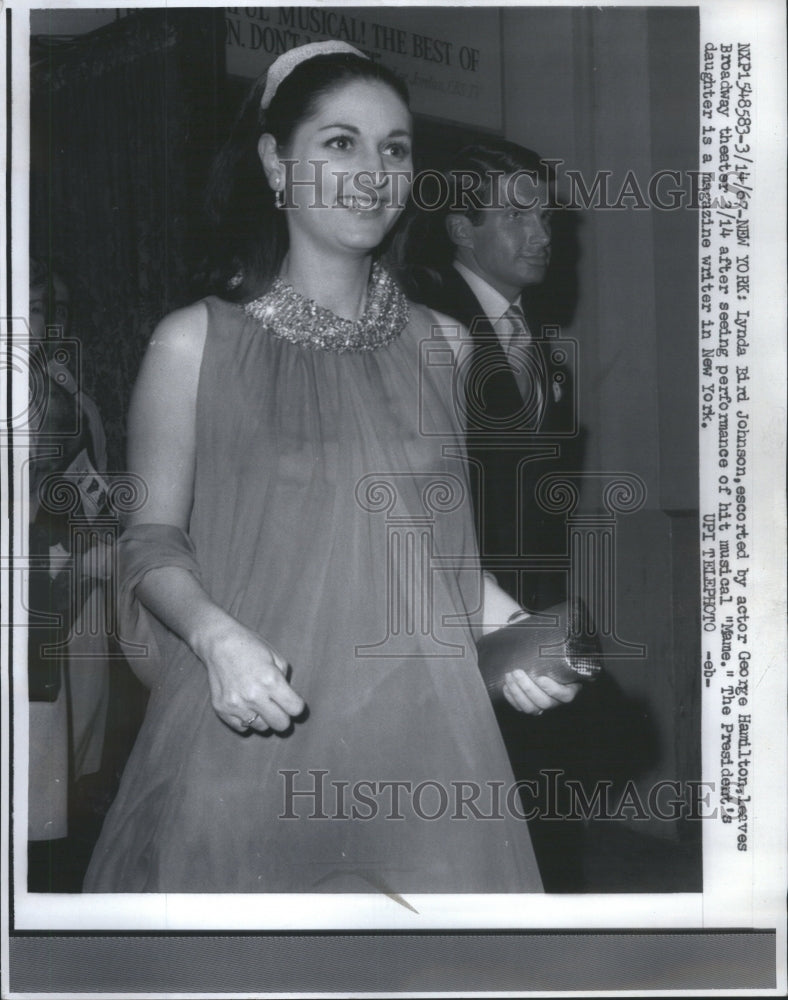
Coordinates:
x,y
331,514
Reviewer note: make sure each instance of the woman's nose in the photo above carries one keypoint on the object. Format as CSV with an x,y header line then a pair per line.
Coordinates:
x,y
370,182
375,173
372,165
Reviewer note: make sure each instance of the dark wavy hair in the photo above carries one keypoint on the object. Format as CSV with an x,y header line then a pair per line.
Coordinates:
x,y
423,247
247,235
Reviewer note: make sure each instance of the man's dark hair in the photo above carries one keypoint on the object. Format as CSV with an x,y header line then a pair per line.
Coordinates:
x,y
473,170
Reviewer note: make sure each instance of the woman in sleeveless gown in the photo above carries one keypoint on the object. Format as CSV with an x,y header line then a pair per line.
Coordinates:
x,y
301,588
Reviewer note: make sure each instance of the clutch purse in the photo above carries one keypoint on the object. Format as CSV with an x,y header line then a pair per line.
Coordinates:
x,y
567,650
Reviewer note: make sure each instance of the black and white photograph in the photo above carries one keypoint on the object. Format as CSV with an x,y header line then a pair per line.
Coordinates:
x,y
393,580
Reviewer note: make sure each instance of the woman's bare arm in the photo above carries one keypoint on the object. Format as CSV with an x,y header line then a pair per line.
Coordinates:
x,y
246,676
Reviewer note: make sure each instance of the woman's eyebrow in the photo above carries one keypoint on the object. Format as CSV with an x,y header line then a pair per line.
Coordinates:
x,y
357,131
348,128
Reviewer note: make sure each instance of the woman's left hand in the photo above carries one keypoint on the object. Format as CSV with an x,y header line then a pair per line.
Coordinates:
x,y
533,696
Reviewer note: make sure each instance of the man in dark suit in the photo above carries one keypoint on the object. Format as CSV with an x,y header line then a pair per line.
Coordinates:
x,y
477,259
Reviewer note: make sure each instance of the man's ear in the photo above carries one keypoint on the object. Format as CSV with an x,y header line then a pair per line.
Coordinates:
x,y
459,227
268,151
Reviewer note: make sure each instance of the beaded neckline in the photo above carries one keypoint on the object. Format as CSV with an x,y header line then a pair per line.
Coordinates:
x,y
290,316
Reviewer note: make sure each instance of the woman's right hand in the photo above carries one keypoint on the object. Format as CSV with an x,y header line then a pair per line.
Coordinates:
x,y
247,678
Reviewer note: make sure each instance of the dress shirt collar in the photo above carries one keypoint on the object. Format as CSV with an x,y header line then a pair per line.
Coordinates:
x,y
490,299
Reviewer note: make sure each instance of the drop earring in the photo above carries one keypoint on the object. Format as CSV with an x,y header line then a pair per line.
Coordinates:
x,y
279,198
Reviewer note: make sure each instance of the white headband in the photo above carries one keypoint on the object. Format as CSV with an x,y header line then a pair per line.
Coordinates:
x,y
287,62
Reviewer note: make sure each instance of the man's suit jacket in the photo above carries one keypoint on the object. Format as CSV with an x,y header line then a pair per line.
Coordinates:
x,y
510,522
600,734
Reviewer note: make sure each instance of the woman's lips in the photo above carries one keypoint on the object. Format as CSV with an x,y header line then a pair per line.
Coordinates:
x,y
362,205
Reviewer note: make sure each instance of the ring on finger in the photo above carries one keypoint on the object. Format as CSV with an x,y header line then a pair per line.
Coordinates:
x,y
251,722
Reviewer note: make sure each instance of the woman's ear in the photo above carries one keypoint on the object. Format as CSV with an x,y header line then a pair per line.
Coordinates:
x,y
268,151
459,226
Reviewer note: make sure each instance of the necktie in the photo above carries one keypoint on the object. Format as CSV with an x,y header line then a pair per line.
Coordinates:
x,y
525,360
513,329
